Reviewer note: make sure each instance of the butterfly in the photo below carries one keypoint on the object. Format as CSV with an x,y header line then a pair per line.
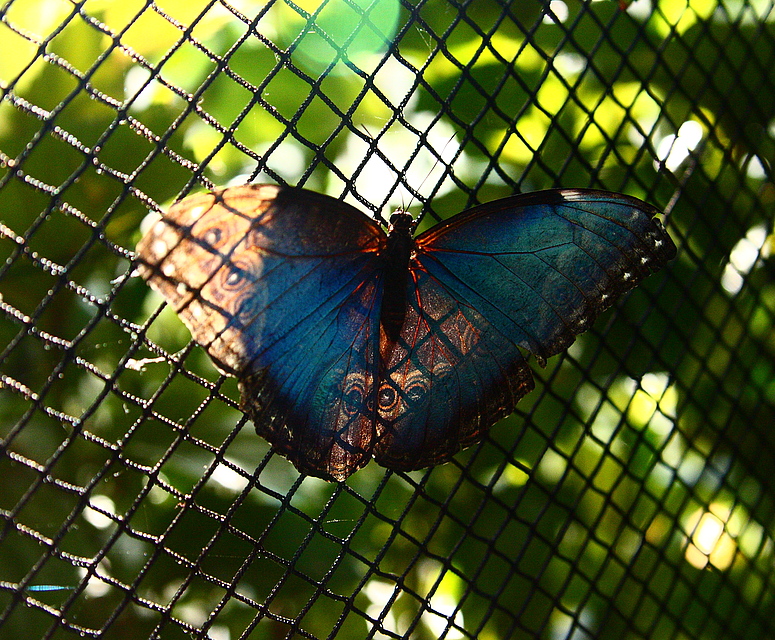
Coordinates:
x,y
351,343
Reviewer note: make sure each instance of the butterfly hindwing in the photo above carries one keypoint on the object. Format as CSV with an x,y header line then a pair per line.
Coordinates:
x,y
448,378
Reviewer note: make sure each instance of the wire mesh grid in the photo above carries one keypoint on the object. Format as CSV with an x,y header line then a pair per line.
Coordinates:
x,y
631,495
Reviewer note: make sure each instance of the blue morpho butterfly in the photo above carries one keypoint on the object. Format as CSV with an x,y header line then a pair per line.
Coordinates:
x,y
351,343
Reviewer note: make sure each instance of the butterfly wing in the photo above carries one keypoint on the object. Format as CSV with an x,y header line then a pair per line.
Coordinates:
x,y
531,271
282,287
448,378
541,267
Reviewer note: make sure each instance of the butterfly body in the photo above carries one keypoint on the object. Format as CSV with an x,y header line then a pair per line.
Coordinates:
x,y
351,343
398,252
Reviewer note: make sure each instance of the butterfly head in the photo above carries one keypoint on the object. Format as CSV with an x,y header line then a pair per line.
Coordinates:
x,y
402,223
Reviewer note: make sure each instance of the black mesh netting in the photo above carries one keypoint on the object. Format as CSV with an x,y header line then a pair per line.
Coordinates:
x,y
632,495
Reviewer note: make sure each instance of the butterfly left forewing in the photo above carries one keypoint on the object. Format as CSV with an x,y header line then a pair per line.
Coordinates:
x,y
282,288
187,255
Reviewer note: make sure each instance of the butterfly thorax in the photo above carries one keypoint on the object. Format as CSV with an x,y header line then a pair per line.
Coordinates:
x,y
398,251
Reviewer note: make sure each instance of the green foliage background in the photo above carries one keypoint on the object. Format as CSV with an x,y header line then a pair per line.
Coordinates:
x,y
136,500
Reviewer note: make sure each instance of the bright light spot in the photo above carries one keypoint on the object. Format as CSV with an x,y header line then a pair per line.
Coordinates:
x,y
437,620
558,12
395,81
202,139
695,557
135,88
755,168
564,626
379,594
219,632
443,604
641,9
158,495
754,12
731,280
708,533
570,63
94,517
654,404
672,455
552,466
743,257
288,160
691,466
710,542
512,476
672,150
228,479
561,624
649,403
97,586
377,180
192,612
602,416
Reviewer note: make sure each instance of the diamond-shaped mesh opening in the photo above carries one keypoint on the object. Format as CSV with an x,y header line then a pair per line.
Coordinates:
x,y
630,496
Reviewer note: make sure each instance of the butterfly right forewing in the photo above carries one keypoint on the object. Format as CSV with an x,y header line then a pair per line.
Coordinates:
x,y
540,267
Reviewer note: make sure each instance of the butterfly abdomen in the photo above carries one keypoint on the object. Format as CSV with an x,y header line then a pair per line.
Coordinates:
x,y
397,253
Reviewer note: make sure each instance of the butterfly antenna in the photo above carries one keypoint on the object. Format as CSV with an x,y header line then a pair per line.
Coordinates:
x,y
681,179
428,175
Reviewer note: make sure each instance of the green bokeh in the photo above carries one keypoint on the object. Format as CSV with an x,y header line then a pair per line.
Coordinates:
x,y
593,517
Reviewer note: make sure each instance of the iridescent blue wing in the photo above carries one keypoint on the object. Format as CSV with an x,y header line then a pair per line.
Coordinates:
x,y
282,287
532,272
